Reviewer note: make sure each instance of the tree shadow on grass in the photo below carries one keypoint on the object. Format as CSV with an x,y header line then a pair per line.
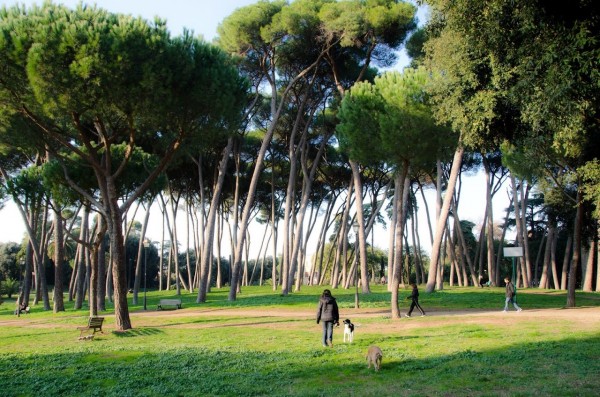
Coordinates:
x,y
142,331
557,367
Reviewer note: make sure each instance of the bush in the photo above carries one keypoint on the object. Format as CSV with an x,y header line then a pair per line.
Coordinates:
x,y
9,287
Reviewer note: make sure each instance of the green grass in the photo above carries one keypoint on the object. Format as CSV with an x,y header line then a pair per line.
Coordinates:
x,y
198,351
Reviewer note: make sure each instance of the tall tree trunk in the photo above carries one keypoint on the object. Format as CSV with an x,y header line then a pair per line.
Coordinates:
x,y
219,282
81,273
399,195
175,240
496,280
94,244
597,258
588,273
362,237
162,255
520,224
122,319
441,223
547,254
341,239
527,268
42,285
274,229
537,260
554,267
463,245
572,283
566,259
454,269
59,258
307,184
100,240
209,231
490,222
189,232
263,240
429,227
288,236
391,242
139,257
319,251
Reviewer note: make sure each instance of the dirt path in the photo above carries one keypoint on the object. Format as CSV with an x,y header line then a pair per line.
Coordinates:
x,y
585,317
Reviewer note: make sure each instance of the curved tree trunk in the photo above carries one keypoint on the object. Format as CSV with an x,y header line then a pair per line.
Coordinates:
x,y
209,231
441,223
307,184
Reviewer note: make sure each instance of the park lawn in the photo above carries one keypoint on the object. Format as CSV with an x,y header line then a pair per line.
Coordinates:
x,y
266,344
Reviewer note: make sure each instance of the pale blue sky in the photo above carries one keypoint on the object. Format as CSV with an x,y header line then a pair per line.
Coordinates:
x,y
200,16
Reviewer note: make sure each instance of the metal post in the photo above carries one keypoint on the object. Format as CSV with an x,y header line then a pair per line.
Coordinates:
x,y
146,244
356,300
514,276
20,290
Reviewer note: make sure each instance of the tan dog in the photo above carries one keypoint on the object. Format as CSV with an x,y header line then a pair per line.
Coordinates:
x,y
374,356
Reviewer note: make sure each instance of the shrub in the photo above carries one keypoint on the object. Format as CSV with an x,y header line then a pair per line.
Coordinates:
x,y
9,287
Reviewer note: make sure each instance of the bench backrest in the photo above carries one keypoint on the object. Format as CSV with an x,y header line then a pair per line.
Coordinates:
x,y
95,321
170,301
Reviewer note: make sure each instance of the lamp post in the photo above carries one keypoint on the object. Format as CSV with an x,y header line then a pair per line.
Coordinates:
x,y
20,289
146,245
355,228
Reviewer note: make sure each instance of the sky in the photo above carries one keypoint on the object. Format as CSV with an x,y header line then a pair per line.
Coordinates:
x,y
202,17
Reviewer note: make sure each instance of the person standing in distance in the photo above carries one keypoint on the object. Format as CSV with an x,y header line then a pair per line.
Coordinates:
x,y
328,313
510,295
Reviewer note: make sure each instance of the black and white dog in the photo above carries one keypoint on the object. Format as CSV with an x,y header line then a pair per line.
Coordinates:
x,y
348,330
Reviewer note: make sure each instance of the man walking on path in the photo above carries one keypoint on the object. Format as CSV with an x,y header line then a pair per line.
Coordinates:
x,y
415,301
510,295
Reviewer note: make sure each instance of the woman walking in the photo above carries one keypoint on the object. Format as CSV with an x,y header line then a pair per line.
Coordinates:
x,y
329,314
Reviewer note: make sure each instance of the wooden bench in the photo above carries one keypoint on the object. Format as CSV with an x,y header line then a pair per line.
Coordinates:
x,y
94,325
169,302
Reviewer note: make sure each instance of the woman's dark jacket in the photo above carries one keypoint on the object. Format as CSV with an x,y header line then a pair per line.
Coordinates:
x,y
328,310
